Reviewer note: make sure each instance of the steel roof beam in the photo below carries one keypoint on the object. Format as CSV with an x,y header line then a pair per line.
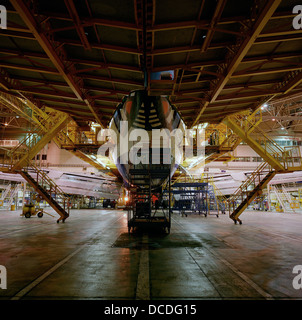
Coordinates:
x,y
266,71
105,79
42,92
158,27
290,37
16,34
178,49
289,83
206,23
106,65
250,85
89,21
56,54
233,60
161,51
74,103
78,23
216,16
28,68
231,97
61,94
103,46
43,56
49,83
208,63
258,21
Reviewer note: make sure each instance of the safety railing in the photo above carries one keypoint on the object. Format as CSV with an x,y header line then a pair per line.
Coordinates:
x,y
247,120
248,186
48,186
222,136
72,136
288,157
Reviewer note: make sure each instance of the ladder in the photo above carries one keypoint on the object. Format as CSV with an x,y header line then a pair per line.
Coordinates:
x,y
278,196
283,196
13,192
48,190
220,197
212,199
248,191
5,192
278,159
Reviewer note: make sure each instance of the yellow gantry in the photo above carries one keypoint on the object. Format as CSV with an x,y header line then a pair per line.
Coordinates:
x,y
277,159
49,125
247,138
32,146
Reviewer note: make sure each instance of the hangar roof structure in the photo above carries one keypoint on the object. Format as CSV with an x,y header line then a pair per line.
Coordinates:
x,y
83,57
231,67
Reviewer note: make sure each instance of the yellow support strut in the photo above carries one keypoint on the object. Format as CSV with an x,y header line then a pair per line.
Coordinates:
x,y
245,136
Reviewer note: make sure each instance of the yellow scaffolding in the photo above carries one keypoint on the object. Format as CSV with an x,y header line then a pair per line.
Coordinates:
x,y
246,127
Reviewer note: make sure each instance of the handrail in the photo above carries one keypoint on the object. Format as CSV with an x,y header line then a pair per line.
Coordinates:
x,y
221,135
42,128
44,181
242,192
249,122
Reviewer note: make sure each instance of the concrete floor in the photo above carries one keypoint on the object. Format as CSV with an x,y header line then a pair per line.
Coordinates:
x,y
92,256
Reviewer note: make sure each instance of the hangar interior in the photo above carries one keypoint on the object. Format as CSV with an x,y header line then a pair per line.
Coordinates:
x,y
232,69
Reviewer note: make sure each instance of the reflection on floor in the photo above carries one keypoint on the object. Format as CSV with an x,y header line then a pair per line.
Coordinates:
x,y
92,256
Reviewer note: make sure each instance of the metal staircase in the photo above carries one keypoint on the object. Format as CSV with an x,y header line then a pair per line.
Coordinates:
x,y
220,197
48,123
142,211
12,194
5,192
212,200
288,198
48,190
277,159
281,159
248,191
283,198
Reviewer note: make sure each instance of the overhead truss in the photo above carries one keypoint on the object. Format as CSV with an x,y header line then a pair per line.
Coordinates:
x,y
83,60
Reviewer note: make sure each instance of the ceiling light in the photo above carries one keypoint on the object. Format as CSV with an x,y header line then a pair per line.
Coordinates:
x,y
6,124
